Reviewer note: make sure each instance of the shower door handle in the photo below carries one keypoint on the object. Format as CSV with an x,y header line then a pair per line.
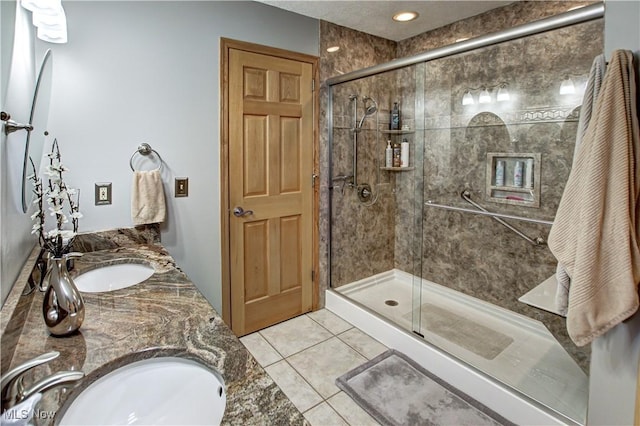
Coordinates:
x,y
240,212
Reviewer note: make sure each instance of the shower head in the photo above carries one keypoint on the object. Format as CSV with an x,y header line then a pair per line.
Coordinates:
x,y
369,110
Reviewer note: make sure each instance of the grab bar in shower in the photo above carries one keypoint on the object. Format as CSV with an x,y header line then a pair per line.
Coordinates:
x,y
539,241
466,195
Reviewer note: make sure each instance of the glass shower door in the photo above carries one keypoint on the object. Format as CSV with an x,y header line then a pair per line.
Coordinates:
x,y
500,136
376,241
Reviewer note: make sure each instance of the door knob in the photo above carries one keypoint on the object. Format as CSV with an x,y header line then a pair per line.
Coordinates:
x,y
240,212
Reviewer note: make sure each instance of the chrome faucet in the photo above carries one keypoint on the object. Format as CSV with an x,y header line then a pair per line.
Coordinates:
x,y
13,390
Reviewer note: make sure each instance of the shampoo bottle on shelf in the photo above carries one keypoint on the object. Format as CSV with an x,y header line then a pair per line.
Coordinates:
x,y
404,153
528,173
394,118
517,174
388,155
397,162
499,173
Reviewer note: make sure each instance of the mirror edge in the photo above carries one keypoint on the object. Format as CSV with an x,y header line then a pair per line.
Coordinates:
x,y
45,60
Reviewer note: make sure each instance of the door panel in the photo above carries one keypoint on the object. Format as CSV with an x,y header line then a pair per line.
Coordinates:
x,y
255,153
270,156
256,264
290,155
290,242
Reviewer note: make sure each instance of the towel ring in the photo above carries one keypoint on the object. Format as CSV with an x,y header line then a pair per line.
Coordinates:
x,y
145,149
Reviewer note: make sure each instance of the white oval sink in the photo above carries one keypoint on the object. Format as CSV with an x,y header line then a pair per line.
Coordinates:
x,y
113,277
156,391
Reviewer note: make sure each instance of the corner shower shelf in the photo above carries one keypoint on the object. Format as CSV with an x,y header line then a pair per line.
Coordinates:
x,y
397,169
543,296
397,132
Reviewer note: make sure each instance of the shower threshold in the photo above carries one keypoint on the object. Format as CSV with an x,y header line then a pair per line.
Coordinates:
x,y
507,361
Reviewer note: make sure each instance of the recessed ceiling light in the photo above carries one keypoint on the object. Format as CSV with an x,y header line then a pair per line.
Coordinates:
x,y
333,49
405,16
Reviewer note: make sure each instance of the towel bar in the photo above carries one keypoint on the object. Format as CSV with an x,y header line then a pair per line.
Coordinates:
x,y
145,149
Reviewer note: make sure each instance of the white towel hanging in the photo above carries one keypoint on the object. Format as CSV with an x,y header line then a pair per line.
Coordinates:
x,y
147,198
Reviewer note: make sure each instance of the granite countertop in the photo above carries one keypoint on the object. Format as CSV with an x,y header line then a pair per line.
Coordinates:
x,y
163,316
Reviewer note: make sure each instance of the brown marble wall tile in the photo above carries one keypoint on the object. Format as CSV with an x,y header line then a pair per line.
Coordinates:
x,y
508,16
359,228
471,254
476,255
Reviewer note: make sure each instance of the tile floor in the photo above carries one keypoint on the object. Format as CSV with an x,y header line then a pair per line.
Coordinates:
x,y
306,354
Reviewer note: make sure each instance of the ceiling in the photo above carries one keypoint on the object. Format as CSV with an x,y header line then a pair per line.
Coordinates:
x,y
374,17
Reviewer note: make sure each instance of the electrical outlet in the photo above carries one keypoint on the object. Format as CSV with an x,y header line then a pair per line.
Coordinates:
x,y
182,187
103,193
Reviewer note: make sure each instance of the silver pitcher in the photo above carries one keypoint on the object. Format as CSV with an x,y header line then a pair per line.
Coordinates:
x,y
63,307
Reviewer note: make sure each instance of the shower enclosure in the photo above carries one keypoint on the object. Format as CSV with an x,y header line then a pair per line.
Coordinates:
x,y
452,247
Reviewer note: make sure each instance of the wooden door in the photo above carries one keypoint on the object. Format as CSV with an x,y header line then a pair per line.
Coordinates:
x,y
271,144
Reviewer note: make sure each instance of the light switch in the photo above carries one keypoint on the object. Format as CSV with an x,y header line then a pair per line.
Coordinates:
x,y
182,187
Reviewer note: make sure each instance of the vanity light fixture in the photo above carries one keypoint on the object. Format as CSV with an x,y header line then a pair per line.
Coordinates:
x,y
405,16
333,49
467,99
49,18
503,93
485,97
567,87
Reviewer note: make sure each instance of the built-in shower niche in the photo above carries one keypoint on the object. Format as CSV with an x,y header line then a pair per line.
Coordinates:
x,y
514,178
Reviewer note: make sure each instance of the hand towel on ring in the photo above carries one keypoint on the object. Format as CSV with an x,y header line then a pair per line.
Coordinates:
x,y
147,198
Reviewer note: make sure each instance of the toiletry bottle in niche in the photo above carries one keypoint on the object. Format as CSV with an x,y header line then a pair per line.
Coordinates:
x,y
394,119
388,155
499,173
404,153
397,161
517,174
528,173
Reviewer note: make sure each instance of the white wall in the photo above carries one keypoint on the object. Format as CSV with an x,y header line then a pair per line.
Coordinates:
x,y
614,356
7,25
16,92
137,72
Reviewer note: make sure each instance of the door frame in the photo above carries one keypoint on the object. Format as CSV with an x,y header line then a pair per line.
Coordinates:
x,y
225,209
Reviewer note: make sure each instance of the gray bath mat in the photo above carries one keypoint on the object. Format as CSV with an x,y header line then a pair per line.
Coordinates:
x,y
477,338
395,390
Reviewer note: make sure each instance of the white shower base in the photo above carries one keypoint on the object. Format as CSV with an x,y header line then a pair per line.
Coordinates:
x,y
534,363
